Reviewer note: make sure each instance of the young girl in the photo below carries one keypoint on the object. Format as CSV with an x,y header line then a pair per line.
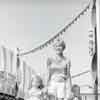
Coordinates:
x,y
35,93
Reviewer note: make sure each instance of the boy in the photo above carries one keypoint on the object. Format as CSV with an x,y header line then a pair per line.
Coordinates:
x,y
75,95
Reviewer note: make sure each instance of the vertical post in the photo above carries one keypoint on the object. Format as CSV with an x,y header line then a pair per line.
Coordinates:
x,y
98,37
95,55
94,25
18,64
17,72
11,60
85,97
96,80
4,55
24,77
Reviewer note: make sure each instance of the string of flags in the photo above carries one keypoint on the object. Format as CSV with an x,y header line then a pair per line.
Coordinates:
x,y
61,32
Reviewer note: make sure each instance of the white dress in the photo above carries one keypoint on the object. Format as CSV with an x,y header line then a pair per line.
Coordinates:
x,y
34,94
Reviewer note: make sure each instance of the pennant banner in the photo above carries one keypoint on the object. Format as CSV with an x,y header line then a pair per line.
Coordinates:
x,y
4,57
21,78
30,77
26,79
61,32
11,60
24,71
8,59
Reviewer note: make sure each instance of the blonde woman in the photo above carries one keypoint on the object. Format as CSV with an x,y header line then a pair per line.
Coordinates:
x,y
59,78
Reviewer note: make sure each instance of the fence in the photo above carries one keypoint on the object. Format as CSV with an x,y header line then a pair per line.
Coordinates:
x,y
90,96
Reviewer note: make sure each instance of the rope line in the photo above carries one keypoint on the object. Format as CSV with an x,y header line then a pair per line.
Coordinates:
x,y
48,42
77,75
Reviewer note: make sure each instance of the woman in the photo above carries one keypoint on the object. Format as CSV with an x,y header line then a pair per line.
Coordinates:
x,y
59,78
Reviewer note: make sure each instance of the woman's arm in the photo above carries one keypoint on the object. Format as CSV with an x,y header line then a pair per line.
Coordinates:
x,y
67,69
69,77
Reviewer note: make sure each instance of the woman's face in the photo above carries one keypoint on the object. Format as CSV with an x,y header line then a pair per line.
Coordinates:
x,y
58,49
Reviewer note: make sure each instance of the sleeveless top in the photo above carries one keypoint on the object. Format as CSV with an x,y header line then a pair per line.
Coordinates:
x,y
58,71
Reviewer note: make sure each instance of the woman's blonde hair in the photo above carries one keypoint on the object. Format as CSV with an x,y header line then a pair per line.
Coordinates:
x,y
59,42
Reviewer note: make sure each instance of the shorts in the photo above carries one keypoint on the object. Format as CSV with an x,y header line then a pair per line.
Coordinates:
x,y
60,89
56,89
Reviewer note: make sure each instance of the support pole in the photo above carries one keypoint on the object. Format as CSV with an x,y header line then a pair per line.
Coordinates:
x,y
95,55
98,38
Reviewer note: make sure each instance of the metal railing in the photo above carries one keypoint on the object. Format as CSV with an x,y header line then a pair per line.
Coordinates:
x,y
90,96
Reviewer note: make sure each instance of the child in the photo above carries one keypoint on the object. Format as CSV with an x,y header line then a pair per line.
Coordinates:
x,y
35,93
75,93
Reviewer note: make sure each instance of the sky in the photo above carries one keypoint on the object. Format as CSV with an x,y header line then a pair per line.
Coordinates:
x,y
28,23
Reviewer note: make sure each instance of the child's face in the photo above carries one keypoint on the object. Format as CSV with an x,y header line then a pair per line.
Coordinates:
x,y
76,91
35,83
